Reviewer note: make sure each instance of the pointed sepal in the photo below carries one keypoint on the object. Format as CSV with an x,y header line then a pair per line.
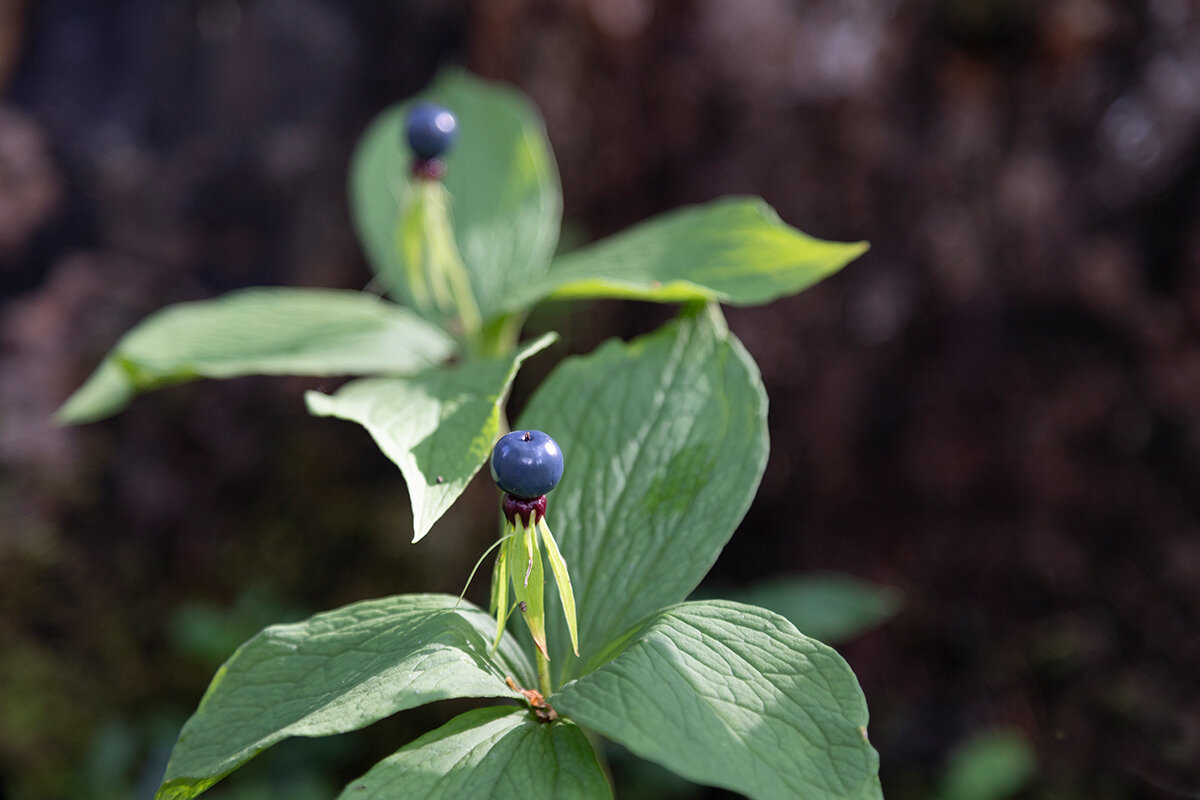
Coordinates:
x,y
558,565
434,269
499,605
529,583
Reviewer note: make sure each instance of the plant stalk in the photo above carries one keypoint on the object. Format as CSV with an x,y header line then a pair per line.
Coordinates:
x,y
543,668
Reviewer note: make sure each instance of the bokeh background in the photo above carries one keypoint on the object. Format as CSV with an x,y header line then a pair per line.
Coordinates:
x,y
995,411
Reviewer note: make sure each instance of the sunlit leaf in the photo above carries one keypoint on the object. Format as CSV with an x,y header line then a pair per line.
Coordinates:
x,y
665,439
273,331
498,753
438,426
336,672
732,695
735,250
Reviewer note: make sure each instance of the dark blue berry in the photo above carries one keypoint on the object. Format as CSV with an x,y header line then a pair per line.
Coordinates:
x,y
526,464
431,130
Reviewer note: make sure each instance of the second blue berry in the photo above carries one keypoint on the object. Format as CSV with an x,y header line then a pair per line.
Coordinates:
x,y
431,130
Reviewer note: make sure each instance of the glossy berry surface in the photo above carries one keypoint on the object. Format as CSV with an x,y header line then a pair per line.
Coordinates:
x,y
526,464
430,129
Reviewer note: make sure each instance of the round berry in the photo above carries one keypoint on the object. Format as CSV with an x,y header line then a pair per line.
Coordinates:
x,y
431,130
526,464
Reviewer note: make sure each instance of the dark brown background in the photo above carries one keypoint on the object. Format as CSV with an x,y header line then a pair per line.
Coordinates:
x,y
996,410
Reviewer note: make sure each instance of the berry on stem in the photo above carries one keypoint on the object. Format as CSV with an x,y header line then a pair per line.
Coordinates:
x,y
526,464
431,130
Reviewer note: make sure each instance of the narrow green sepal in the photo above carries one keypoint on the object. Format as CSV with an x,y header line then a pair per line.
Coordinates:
x,y
562,577
410,243
434,269
499,605
529,582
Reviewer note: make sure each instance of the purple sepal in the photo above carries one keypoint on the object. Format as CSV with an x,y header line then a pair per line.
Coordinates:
x,y
527,510
429,169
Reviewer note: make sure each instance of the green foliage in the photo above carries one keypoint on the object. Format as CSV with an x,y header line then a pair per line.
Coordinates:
x,y
664,435
735,250
438,426
501,753
665,439
505,199
993,765
336,672
259,332
829,607
732,695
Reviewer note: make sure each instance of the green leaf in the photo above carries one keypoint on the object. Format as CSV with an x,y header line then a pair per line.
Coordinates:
x,y
665,440
830,607
735,250
336,672
994,765
274,331
734,696
438,426
505,199
498,753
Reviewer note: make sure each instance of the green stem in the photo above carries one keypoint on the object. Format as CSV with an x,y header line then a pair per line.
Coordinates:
x,y
498,337
543,668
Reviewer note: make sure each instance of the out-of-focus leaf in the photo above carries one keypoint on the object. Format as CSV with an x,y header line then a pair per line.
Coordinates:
x,y
273,331
505,199
735,250
989,766
829,607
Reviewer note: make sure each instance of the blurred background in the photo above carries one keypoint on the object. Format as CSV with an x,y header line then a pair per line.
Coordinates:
x,y
995,412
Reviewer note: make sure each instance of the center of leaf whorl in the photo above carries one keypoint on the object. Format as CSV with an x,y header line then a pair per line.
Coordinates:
x,y
530,511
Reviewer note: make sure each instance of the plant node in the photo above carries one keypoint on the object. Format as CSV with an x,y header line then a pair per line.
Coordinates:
x,y
428,169
537,702
530,511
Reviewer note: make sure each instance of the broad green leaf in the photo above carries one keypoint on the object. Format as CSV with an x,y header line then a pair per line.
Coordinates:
x,y
336,672
270,331
994,765
665,439
438,426
735,250
829,607
498,753
505,199
732,695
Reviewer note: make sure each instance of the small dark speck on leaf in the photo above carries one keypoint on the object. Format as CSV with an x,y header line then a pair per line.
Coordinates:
x,y
360,787
440,479
522,606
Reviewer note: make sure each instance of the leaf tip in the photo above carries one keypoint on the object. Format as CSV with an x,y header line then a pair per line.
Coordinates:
x,y
106,391
317,403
